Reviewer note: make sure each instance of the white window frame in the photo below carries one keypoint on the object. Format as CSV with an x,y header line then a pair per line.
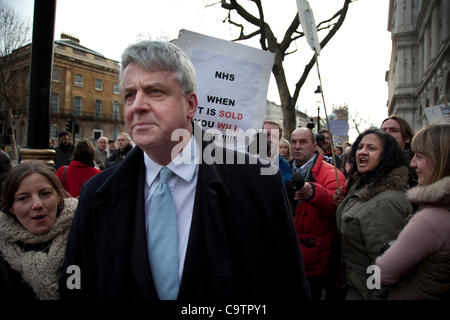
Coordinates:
x,y
116,88
54,130
75,113
56,75
116,113
97,131
100,87
78,134
98,113
54,108
78,83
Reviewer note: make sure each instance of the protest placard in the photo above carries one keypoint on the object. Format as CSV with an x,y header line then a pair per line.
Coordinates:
x,y
232,82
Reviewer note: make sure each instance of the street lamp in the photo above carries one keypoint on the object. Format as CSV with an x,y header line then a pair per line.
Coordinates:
x,y
318,119
318,91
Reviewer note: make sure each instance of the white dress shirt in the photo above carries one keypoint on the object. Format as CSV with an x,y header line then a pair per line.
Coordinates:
x,y
182,185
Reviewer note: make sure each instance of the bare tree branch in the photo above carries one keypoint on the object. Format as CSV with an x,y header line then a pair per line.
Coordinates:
x,y
242,36
308,67
262,24
269,42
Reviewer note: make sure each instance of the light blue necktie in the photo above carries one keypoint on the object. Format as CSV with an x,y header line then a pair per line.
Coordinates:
x,y
162,238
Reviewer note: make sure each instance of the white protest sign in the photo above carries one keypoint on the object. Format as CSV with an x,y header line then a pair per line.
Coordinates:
x,y
438,114
232,82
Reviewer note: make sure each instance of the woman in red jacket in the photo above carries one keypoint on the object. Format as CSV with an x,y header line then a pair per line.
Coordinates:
x,y
80,169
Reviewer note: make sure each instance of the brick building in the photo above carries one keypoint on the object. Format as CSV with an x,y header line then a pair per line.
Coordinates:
x,y
84,91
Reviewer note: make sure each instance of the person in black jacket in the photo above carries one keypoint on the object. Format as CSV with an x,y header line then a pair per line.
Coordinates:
x,y
125,146
64,151
235,239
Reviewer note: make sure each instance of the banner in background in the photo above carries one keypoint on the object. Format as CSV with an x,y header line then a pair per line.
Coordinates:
x,y
439,114
232,82
338,127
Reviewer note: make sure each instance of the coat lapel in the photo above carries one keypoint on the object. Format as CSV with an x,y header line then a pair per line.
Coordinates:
x,y
119,225
207,268
139,254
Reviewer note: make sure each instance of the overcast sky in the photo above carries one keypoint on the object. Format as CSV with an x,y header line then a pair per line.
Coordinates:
x,y
352,65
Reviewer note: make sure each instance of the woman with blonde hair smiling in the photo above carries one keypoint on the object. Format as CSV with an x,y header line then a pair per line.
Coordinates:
x,y
417,264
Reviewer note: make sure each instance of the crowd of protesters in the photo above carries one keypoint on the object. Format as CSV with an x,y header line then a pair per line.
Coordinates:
x,y
315,230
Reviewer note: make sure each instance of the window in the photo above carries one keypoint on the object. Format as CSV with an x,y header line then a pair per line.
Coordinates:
x,y
56,75
78,51
54,130
116,88
116,111
78,80
77,132
98,109
98,84
54,103
115,133
77,105
97,133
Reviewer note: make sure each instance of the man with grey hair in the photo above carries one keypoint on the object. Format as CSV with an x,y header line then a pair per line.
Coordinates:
x,y
155,228
124,146
314,212
101,153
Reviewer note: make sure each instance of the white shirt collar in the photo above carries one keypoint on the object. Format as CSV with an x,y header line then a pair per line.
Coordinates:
x,y
182,169
295,167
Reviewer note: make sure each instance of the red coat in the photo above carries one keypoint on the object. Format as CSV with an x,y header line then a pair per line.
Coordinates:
x,y
77,173
315,219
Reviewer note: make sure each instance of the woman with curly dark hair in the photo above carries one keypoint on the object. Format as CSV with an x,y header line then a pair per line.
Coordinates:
x,y
375,209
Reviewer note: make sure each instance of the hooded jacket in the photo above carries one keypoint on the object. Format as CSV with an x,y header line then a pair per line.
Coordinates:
x,y
370,217
419,260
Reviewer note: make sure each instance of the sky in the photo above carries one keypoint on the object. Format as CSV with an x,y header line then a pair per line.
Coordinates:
x,y
352,65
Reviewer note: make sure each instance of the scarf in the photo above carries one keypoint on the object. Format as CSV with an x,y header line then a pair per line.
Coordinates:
x,y
39,269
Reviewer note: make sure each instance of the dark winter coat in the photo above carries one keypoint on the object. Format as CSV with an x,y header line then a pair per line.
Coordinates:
x,y
118,155
63,156
242,243
368,219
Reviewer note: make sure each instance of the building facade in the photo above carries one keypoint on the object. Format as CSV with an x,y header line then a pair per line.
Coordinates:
x,y
84,99
418,75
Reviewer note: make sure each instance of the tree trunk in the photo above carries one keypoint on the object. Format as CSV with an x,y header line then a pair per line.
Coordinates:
x,y
285,97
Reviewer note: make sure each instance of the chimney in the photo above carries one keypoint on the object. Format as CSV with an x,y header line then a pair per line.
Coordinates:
x,y
70,37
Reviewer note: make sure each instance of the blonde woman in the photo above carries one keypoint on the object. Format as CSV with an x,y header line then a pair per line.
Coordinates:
x,y
285,149
417,264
